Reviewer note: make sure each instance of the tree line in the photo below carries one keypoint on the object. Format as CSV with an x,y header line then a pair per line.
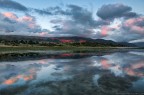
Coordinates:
x,y
47,43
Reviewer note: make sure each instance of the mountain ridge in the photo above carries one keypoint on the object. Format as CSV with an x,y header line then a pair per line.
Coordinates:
x,y
72,39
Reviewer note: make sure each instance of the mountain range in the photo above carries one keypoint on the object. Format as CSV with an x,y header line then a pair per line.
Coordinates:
x,y
63,40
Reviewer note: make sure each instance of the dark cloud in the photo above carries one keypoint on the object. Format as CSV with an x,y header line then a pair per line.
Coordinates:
x,y
71,28
13,5
130,14
81,15
9,21
9,4
42,12
112,11
79,22
77,14
51,11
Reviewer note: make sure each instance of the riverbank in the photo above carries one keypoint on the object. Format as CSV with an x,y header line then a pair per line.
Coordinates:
x,y
35,48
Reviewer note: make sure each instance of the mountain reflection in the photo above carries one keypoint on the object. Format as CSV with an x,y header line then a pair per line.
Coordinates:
x,y
117,72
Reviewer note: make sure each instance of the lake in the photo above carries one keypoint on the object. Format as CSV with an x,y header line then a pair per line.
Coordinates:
x,y
110,72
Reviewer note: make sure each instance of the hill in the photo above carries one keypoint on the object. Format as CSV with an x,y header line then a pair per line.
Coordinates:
x,y
139,44
60,41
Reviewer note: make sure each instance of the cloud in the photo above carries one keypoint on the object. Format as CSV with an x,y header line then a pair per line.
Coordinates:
x,y
112,11
13,5
105,30
135,25
78,14
51,11
71,28
24,25
122,35
129,30
42,12
79,22
9,4
137,40
10,15
74,20
81,15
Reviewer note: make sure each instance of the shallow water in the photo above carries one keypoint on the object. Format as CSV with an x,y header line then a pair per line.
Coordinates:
x,y
87,73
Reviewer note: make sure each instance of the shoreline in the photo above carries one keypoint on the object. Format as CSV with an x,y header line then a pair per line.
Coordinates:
x,y
20,55
13,48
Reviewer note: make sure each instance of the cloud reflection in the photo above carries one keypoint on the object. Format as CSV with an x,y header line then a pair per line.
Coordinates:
x,y
121,64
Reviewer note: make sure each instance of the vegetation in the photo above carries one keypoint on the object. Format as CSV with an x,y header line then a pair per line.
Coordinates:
x,y
59,41
16,43
44,43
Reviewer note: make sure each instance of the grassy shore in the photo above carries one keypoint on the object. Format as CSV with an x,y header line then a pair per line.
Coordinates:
x,y
34,48
15,53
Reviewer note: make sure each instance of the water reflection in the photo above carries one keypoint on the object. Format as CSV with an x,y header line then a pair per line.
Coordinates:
x,y
118,72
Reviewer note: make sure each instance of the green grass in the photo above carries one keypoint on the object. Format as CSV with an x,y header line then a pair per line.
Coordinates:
x,y
35,48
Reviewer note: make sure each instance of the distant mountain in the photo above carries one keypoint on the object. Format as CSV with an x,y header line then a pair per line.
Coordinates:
x,y
127,44
139,44
63,40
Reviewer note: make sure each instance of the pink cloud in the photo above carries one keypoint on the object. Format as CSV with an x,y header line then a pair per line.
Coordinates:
x,y
25,25
27,18
10,15
105,30
132,24
138,29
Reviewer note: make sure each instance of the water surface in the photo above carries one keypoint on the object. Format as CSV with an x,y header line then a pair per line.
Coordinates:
x,y
89,73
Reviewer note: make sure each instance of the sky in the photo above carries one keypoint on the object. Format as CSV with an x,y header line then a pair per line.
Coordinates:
x,y
117,20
